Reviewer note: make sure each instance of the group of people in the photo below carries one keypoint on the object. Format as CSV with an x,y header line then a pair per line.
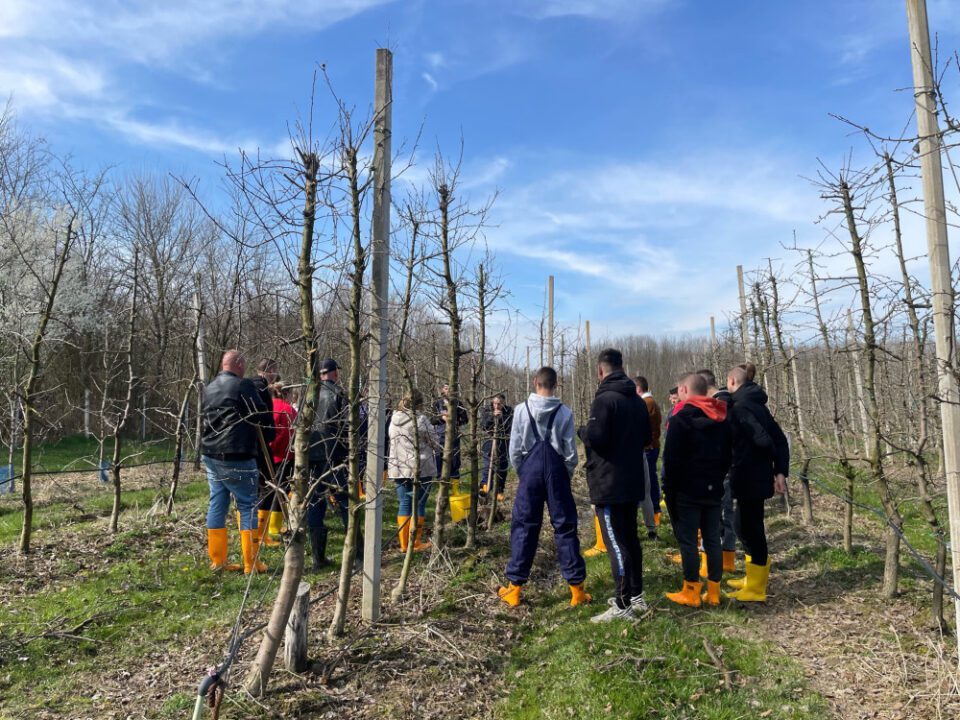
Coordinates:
x,y
247,451
723,456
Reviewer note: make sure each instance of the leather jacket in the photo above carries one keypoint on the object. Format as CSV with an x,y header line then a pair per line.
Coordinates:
x,y
232,411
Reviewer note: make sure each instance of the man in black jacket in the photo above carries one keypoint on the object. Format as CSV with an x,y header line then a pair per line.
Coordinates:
x,y
495,424
761,463
268,373
329,449
233,414
728,537
614,438
696,457
440,415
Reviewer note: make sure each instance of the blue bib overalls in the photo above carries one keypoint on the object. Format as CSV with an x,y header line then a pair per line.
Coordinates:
x,y
544,479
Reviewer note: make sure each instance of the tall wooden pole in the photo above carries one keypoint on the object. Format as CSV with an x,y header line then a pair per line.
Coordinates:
x,y
379,345
713,346
939,253
550,321
744,318
589,350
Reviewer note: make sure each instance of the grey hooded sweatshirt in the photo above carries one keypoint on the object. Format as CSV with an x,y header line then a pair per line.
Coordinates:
x,y
562,438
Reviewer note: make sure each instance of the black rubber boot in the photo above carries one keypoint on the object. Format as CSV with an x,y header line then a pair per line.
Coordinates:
x,y
318,547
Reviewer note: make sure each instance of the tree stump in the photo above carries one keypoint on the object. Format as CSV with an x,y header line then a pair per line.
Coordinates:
x,y
295,636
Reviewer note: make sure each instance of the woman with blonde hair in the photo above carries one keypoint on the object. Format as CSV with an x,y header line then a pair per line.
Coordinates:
x,y
412,464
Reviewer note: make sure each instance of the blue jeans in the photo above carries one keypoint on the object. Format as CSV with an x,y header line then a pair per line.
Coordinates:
x,y
231,477
405,496
334,484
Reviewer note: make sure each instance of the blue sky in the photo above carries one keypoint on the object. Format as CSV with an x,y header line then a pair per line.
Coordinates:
x,y
641,148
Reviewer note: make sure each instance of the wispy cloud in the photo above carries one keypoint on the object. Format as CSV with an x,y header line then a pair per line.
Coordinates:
x,y
430,81
67,58
595,9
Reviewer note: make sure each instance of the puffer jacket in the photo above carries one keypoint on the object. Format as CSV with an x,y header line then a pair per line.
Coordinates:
x,y
403,458
329,440
697,451
760,448
232,411
614,438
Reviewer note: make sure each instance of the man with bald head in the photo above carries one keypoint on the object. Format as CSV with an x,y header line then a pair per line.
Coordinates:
x,y
232,413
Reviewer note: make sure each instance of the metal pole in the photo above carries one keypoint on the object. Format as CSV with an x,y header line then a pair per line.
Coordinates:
x,y
379,345
938,251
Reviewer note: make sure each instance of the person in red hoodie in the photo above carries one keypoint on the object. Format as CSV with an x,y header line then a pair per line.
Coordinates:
x,y
696,457
281,450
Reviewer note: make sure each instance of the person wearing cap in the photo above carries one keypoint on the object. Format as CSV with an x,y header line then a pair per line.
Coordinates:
x,y
329,449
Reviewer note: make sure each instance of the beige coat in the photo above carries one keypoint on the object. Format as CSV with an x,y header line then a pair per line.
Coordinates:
x,y
402,461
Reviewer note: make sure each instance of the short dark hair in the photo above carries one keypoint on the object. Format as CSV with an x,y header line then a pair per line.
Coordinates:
x,y
695,382
750,369
642,383
545,377
611,358
673,390
708,376
501,396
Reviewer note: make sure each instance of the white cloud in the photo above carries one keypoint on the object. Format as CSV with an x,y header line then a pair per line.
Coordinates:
x,y
594,9
430,81
64,58
435,60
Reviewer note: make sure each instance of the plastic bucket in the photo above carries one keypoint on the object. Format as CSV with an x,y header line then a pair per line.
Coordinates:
x,y
459,507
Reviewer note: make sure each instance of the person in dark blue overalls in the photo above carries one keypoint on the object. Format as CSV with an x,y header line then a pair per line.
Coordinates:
x,y
543,450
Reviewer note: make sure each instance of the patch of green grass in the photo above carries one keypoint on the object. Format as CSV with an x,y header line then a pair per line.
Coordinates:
x,y
78,453
563,665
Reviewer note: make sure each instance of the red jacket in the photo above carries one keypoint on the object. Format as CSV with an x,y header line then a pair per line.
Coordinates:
x,y
283,416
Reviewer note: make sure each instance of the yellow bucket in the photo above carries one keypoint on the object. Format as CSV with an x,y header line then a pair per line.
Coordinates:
x,y
459,507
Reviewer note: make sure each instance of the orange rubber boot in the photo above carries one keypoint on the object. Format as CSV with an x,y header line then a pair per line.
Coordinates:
x,y
600,547
250,546
510,594
712,595
689,595
579,596
403,531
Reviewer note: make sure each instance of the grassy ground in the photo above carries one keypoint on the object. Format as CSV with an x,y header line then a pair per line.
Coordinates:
x,y
114,626
79,453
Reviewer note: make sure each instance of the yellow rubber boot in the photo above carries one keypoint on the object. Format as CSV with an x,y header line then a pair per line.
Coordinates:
x,y
600,547
418,544
675,557
755,588
729,561
275,526
510,594
403,531
737,583
217,550
703,565
689,595
249,544
579,596
712,595
263,529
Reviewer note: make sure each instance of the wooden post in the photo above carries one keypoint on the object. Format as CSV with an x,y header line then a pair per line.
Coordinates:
x,y
86,413
938,251
550,321
379,345
589,351
714,359
744,318
295,634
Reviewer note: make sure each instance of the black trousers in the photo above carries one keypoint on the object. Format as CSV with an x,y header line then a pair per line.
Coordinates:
x,y
618,525
748,523
690,514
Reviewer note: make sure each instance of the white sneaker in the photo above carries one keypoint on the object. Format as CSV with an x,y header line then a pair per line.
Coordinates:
x,y
614,612
639,605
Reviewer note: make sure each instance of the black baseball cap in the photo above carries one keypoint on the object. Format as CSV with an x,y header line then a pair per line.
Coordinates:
x,y
329,365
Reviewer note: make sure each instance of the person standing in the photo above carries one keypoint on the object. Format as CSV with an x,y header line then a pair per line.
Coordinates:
x,y
495,423
696,457
651,503
281,452
761,464
411,436
728,537
440,426
329,448
268,375
232,416
543,450
614,438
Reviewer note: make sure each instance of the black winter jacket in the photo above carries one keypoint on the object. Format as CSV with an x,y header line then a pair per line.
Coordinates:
x,y
499,427
697,452
760,448
614,438
330,441
232,410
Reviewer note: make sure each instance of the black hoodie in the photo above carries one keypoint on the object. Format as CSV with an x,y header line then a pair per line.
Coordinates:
x,y
614,438
760,448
